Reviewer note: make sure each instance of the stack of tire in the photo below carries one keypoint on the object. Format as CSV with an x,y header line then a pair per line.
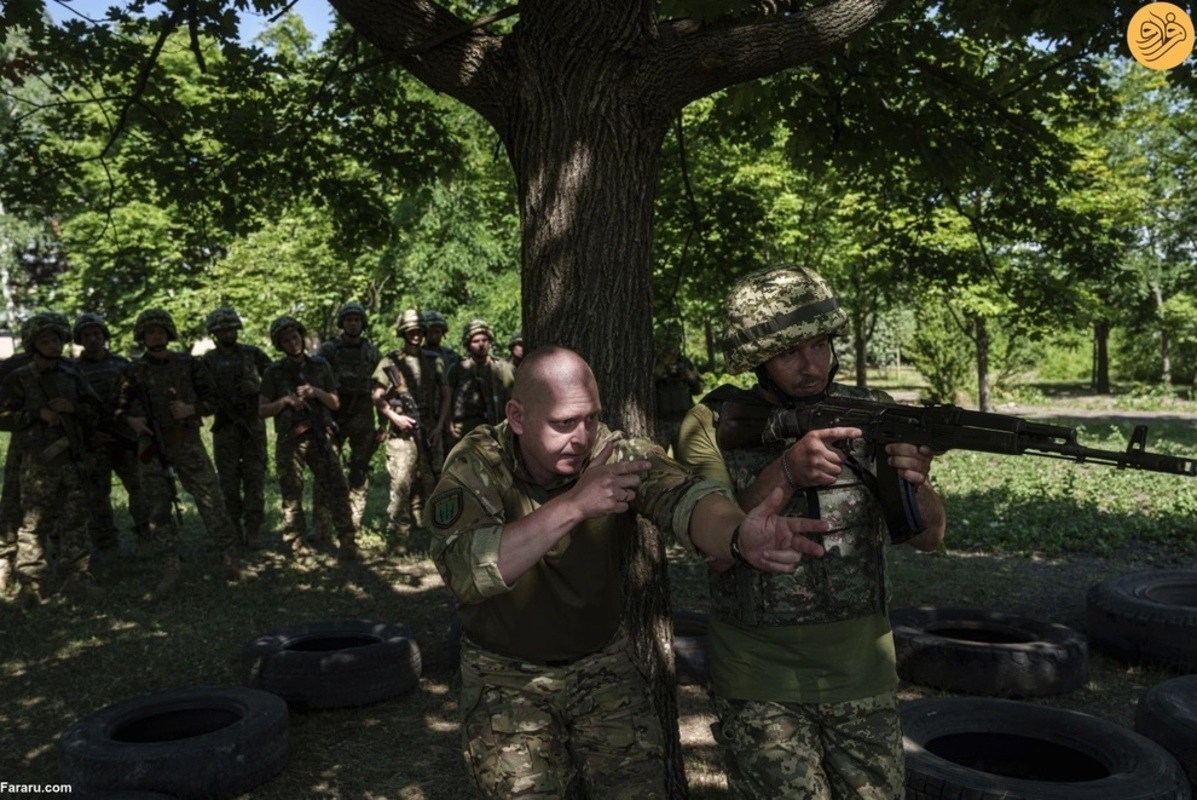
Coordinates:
x,y
222,741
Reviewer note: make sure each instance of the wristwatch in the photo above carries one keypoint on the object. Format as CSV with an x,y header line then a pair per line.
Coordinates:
x,y
737,554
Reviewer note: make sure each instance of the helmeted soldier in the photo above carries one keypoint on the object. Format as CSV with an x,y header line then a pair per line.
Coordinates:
x,y
410,393
479,382
813,651
10,493
113,449
353,358
238,433
164,396
300,392
675,380
515,348
437,328
51,409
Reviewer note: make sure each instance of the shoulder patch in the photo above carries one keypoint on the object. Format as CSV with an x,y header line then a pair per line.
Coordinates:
x,y
447,507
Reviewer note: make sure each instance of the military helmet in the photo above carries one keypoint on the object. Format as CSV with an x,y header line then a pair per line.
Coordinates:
x,y
409,320
352,307
283,323
221,319
475,327
771,310
154,317
434,319
86,320
516,338
38,324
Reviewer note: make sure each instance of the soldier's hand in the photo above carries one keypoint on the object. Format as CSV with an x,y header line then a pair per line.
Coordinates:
x,y
139,426
434,436
912,461
814,460
608,488
774,543
405,423
305,390
62,405
295,402
181,410
50,417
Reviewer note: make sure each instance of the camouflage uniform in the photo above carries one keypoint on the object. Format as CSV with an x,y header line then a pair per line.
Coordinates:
x,y
675,379
448,357
113,451
549,692
10,494
480,390
53,490
802,664
353,365
408,452
238,433
158,382
297,444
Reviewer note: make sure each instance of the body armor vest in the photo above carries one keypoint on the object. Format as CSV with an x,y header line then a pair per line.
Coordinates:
x,y
848,581
104,375
354,367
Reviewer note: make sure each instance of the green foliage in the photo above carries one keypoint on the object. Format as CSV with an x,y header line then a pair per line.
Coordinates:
x,y
1067,356
939,352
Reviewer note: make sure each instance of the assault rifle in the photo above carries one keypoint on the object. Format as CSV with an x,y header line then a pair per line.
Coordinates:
x,y
226,411
315,419
159,449
403,402
940,427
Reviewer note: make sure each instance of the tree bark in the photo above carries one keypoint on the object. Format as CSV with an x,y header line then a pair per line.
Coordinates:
x,y
1101,356
981,327
1165,339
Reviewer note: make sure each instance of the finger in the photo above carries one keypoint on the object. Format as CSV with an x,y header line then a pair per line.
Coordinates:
x,y
830,435
771,504
631,467
603,455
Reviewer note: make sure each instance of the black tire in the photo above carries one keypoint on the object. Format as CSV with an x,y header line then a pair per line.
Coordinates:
x,y
691,648
333,664
201,742
1167,714
1147,617
986,749
980,652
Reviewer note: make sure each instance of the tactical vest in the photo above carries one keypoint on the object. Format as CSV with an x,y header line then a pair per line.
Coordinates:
x,y
104,375
419,373
353,366
847,582
39,388
168,380
230,370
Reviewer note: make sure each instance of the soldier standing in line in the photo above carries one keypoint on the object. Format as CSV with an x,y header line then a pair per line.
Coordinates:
x,y
49,407
164,396
10,494
411,394
112,451
482,383
433,341
300,392
515,349
676,380
238,433
353,359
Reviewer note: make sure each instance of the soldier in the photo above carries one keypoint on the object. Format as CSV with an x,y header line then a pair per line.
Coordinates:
x,y
530,525
112,450
353,359
49,407
238,433
675,379
411,394
803,669
480,382
164,396
10,494
300,392
515,347
437,328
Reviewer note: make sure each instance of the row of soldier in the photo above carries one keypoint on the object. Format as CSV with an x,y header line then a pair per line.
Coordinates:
x,y
77,422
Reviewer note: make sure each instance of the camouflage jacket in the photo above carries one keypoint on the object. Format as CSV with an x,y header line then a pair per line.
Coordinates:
x,y
353,365
28,389
848,581
179,376
238,372
422,376
284,376
481,391
568,605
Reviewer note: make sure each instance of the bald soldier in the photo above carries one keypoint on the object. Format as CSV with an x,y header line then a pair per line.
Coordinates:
x,y
530,523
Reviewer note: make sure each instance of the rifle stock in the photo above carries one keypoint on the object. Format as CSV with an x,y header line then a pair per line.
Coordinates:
x,y
159,447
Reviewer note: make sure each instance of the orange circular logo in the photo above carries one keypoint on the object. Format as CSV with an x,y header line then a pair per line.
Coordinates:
x,y
1160,35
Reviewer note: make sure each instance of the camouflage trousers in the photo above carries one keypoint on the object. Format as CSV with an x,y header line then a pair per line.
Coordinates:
x,y
812,751
532,731
54,513
241,470
10,500
106,462
411,484
357,433
193,469
291,456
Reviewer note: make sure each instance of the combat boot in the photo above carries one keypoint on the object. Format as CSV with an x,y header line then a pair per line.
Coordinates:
x,y
5,575
29,596
172,576
80,587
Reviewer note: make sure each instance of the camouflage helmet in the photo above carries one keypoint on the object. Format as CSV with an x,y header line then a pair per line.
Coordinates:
x,y
221,319
434,319
86,320
771,310
150,318
352,307
409,320
38,324
283,323
516,338
475,327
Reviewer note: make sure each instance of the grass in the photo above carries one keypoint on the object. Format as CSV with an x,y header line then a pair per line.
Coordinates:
x,y
1026,535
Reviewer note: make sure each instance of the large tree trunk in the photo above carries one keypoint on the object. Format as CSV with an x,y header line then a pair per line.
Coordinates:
x,y
981,327
1101,356
1165,339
